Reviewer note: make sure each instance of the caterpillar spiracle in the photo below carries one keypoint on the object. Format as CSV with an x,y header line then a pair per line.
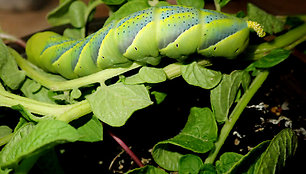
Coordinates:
x,y
144,36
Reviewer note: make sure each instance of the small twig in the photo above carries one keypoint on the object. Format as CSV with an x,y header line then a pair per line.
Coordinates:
x,y
116,157
127,149
13,39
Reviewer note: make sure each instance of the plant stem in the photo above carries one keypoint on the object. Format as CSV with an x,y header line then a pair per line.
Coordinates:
x,y
13,39
60,84
127,149
217,5
76,111
227,127
5,139
62,112
292,37
174,70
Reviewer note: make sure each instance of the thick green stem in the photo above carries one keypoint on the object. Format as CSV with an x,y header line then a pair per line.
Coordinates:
x,y
217,5
61,112
76,111
174,70
57,83
292,37
227,127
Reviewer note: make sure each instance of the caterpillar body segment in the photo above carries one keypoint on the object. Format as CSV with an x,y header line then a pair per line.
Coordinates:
x,y
144,36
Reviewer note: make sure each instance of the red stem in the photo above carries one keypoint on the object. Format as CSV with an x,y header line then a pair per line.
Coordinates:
x,y
127,149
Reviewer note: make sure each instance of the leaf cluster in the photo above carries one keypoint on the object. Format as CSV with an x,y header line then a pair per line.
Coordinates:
x,y
54,110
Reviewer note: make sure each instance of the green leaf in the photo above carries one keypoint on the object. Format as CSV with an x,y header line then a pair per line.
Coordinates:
x,y
227,160
166,156
192,3
74,33
198,135
27,114
34,90
49,163
75,94
282,147
159,96
147,75
246,80
190,164
199,132
5,171
60,15
247,162
91,131
32,138
148,169
4,131
127,9
240,14
5,136
223,3
113,2
161,3
116,103
223,96
77,14
196,75
207,169
270,23
9,72
275,57
294,21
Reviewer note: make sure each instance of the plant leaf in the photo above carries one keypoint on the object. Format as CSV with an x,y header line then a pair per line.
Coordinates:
x,y
159,96
147,75
74,33
4,131
198,135
49,163
275,57
223,3
60,15
282,147
247,162
192,3
127,9
196,75
34,90
148,169
166,156
207,169
113,2
116,103
77,11
226,161
32,138
160,3
223,96
270,23
190,164
9,72
91,131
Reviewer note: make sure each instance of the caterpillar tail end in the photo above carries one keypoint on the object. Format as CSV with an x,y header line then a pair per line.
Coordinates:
x,y
257,28
36,44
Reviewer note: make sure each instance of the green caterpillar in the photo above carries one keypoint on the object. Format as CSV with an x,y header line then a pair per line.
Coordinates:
x,y
144,36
